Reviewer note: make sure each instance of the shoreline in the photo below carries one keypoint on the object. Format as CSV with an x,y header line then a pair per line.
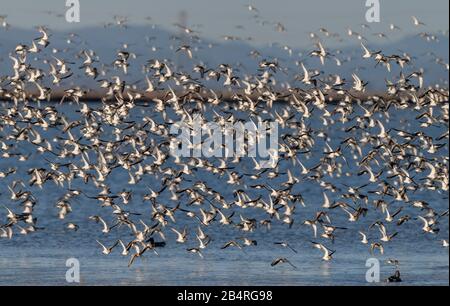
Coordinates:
x,y
229,96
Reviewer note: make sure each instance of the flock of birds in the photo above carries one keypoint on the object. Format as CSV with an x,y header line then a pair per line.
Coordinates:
x,y
390,166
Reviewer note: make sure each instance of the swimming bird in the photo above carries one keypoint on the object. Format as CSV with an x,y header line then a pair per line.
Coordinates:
x,y
395,278
72,226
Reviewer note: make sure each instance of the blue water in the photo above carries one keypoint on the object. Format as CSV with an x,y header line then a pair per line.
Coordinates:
x,y
40,258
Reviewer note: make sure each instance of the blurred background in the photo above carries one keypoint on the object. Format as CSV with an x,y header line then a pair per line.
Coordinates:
x,y
216,18
285,30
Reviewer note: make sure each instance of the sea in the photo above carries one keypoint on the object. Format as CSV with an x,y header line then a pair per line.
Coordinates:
x,y
45,257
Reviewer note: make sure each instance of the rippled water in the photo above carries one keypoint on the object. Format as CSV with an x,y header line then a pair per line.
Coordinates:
x,y
40,258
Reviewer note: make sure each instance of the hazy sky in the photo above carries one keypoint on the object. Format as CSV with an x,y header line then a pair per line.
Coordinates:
x,y
219,17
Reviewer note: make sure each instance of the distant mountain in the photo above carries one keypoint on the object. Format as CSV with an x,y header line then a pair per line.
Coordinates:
x,y
141,40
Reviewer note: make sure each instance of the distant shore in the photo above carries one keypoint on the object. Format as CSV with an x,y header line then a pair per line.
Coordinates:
x,y
227,96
